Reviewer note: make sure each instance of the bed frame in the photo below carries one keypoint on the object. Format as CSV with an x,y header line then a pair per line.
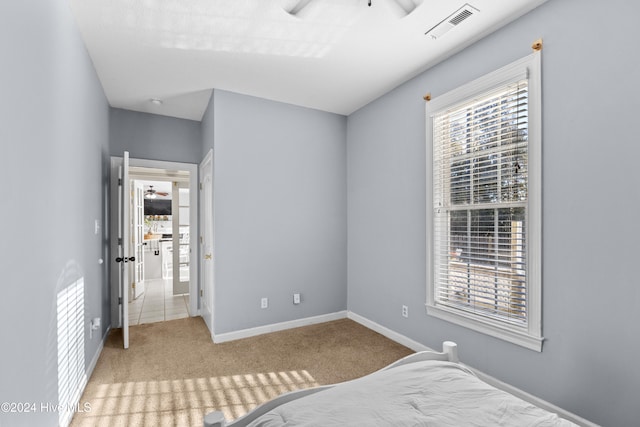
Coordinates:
x,y
216,419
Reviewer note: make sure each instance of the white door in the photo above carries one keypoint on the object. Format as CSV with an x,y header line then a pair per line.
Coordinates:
x,y
180,235
206,242
123,246
137,236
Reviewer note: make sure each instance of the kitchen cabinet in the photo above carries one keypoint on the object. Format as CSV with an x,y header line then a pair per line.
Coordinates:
x,y
152,259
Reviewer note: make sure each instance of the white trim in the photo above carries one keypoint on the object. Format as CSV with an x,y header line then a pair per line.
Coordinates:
x,y
531,336
208,158
531,398
403,340
67,417
416,346
194,271
96,356
85,378
487,326
275,327
392,335
522,68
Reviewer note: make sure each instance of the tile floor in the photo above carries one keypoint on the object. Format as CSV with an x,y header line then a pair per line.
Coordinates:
x,y
158,303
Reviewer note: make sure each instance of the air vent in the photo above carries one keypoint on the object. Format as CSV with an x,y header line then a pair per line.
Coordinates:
x,y
460,17
452,21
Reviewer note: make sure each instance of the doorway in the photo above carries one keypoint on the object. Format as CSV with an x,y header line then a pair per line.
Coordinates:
x,y
145,237
160,289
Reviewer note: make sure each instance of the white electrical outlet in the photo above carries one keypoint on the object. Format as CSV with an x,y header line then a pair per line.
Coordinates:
x,y
405,311
94,324
296,298
264,303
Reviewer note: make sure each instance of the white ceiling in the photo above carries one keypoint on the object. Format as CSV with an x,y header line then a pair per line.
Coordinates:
x,y
331,55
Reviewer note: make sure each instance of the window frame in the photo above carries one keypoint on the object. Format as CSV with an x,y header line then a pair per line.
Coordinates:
x,y
529,335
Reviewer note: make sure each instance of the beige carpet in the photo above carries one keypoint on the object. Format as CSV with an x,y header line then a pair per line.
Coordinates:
x,y
173,374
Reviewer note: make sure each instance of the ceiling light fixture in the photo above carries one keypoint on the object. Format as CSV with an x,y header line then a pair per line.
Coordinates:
x,y
311,8
156,101
151,193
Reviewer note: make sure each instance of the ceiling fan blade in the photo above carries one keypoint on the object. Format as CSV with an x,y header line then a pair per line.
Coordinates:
x,y
161,193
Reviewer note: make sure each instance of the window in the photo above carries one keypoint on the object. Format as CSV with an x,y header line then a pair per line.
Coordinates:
x,y
484,225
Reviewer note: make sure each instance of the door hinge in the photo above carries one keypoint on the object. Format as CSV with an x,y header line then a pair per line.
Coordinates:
x,y
200,186
119,241
201,240
119,300
133,285
201,292
120,182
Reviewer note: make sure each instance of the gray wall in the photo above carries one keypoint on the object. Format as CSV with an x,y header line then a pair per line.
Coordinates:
x,y
280,210
54,136
591,199
282,178
153,137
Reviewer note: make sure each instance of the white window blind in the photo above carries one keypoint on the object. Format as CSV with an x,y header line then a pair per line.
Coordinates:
x,y
480,206
480,198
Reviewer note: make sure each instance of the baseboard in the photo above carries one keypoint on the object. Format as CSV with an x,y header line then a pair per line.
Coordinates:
x,y
400,339
416,346
85,379
96,356
275,327
392,335
532,399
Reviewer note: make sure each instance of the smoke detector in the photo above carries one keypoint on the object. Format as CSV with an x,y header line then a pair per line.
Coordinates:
x,y
452,21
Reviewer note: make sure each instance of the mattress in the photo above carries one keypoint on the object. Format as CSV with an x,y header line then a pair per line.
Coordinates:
x,y
427,393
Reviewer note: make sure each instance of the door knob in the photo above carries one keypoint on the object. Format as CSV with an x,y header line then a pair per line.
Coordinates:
x,y
207,256
120,259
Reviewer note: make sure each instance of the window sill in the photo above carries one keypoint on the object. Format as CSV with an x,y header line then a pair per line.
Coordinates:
x,y
513,335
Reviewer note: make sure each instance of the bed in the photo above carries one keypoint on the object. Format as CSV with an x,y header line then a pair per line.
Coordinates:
x,y
423,389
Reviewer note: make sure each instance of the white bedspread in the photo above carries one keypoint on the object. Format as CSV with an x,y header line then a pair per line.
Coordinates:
x,y
429,393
